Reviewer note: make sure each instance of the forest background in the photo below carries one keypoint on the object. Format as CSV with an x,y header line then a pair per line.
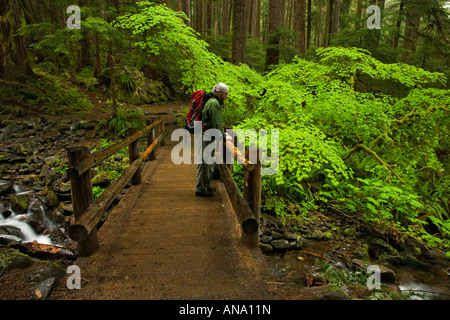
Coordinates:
x,y
362,112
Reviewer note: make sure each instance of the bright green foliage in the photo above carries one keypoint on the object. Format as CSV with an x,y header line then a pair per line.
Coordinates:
x,y
176,49
348,63
373,154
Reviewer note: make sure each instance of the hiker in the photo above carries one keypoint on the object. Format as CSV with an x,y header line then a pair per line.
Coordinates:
x,y
211,119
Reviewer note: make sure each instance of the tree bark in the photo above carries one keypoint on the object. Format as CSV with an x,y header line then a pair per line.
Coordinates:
x,y
328,23
412,24
225,16
300,24
336,17
308,27
399,24
239,44
273,52
13,52
186,8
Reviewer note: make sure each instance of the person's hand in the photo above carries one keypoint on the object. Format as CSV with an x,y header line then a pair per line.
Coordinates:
x,y
228,137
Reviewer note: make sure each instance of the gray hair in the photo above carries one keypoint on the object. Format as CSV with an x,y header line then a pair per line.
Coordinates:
x,y
220,87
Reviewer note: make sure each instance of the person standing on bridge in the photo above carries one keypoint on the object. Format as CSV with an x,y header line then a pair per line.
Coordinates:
x,y
212,119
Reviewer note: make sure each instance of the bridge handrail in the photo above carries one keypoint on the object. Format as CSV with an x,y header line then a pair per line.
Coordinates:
x,y
96,158
87,212
247,206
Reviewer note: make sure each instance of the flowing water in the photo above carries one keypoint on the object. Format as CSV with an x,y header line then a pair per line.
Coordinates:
x,y
27,233
290,268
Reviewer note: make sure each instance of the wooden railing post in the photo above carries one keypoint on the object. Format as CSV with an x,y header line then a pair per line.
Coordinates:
x,y
82,197
252,193
162,128
150,140
133,153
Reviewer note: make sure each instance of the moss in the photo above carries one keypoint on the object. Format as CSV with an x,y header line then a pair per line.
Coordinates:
x,y
11,259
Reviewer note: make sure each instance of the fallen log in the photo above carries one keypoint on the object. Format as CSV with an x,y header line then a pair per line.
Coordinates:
x,y
45,251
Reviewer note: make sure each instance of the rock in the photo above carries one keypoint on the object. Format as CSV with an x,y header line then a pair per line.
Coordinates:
x,y
265,247
436,255
316,234
51,200
361,253
280,244
10,231
331,292
5,187
21,150
327,235
378,246
66,210
51,159
4,157
100,179
11,259
359,263
36,221
292,236
295,244
411,261
349,232
276,235
19,203
386,274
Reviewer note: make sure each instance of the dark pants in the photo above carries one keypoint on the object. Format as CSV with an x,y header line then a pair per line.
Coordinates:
x,y
204,170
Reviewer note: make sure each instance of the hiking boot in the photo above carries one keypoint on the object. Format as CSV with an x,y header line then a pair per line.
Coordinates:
x,y
211,189
203,193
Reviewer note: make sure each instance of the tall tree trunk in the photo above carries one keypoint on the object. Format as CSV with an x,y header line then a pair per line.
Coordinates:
x,y
209,17
412,24
257,31
300,24
399,24
225,16
328,23
186,8
359,10
273,51
336,17
85,56
13,53
308,27
239,43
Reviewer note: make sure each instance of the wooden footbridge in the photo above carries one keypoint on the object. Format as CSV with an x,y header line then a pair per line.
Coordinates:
x,y
161,241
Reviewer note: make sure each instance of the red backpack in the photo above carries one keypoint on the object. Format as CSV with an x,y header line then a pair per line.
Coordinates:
x,y
198,100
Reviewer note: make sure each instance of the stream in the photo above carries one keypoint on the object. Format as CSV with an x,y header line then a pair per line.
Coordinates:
x,y
291,267
16,226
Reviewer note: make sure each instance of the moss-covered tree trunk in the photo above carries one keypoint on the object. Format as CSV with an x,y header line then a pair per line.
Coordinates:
x,y
13,54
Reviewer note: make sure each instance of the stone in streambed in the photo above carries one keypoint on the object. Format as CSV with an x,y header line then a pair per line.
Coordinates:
x,y
280,244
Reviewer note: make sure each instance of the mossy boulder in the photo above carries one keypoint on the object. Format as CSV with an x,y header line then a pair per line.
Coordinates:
x,y
11,259
19,203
